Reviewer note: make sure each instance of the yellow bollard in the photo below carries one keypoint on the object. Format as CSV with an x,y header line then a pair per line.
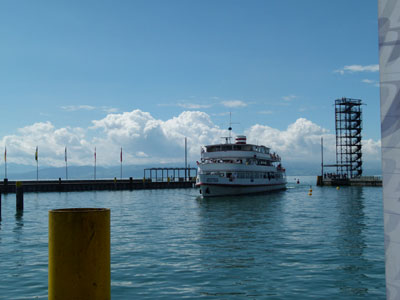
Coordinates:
x,y
338,188
79,254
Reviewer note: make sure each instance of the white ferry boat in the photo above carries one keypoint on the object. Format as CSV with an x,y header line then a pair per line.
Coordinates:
x,y
240,168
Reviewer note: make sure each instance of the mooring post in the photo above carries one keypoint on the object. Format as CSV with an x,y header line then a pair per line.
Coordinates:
x,y
5,186
19,192
79,254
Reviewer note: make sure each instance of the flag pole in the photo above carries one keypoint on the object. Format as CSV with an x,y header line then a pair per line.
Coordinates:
x,y
94,163
5,162
37,163
66,164
121,163
185,158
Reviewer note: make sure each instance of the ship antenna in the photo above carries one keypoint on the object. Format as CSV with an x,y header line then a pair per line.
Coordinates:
x,y
229,137
230,126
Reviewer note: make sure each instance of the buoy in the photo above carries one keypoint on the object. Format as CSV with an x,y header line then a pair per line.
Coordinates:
x,y
338,188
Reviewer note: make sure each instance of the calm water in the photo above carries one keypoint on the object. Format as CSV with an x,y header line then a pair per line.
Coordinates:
x,y
170,244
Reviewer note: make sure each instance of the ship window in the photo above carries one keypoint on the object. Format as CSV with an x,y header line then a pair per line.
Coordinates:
x,y
226,147
246,148
213,148
237,147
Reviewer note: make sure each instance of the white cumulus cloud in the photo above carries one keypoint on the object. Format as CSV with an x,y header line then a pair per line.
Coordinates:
x,y
372,82
233,103
357,68
145,139
77,107
289,98
50,141
193,105
300,141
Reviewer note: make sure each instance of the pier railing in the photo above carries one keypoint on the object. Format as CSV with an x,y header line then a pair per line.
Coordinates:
x,y
170,174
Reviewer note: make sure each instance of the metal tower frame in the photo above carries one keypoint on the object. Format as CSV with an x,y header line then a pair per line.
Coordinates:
x,y
348,123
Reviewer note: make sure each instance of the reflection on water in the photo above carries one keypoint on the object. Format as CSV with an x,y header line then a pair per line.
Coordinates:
x,y
350,240
170,244
19,224
19,221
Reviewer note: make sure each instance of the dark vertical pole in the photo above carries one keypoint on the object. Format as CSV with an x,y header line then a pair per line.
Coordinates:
x,y
19,196
5,162
322,157
185,158
121,163
66,164
0,206
37,163
5,186
95,159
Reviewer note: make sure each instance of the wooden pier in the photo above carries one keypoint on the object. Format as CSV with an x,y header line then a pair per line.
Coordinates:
x,y
93,185
361,181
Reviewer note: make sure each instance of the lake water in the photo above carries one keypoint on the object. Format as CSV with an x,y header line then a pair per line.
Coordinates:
x,y
171,244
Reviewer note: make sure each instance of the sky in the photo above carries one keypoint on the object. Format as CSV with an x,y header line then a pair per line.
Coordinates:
x,y
143,75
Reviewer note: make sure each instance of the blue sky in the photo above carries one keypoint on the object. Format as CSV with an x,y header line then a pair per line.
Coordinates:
x,y
70,64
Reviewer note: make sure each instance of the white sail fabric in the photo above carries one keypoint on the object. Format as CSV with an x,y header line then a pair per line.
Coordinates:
x,y
389,67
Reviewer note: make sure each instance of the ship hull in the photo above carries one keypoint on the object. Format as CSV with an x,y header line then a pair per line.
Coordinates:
x,y
217,190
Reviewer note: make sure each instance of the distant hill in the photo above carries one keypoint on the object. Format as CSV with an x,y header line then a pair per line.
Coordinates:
x,y
313,168
24,172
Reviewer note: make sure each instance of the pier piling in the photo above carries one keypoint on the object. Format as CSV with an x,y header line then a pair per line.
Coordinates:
x,y
19,196
5,186
79,254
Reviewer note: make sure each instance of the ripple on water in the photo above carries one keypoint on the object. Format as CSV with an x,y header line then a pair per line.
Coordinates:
x,y
171,244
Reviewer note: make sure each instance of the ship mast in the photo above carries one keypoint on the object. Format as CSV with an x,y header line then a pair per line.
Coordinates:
x,y
228,139
230,127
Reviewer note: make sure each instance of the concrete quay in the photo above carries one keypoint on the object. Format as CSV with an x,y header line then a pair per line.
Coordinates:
x,y
91,185
362,181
